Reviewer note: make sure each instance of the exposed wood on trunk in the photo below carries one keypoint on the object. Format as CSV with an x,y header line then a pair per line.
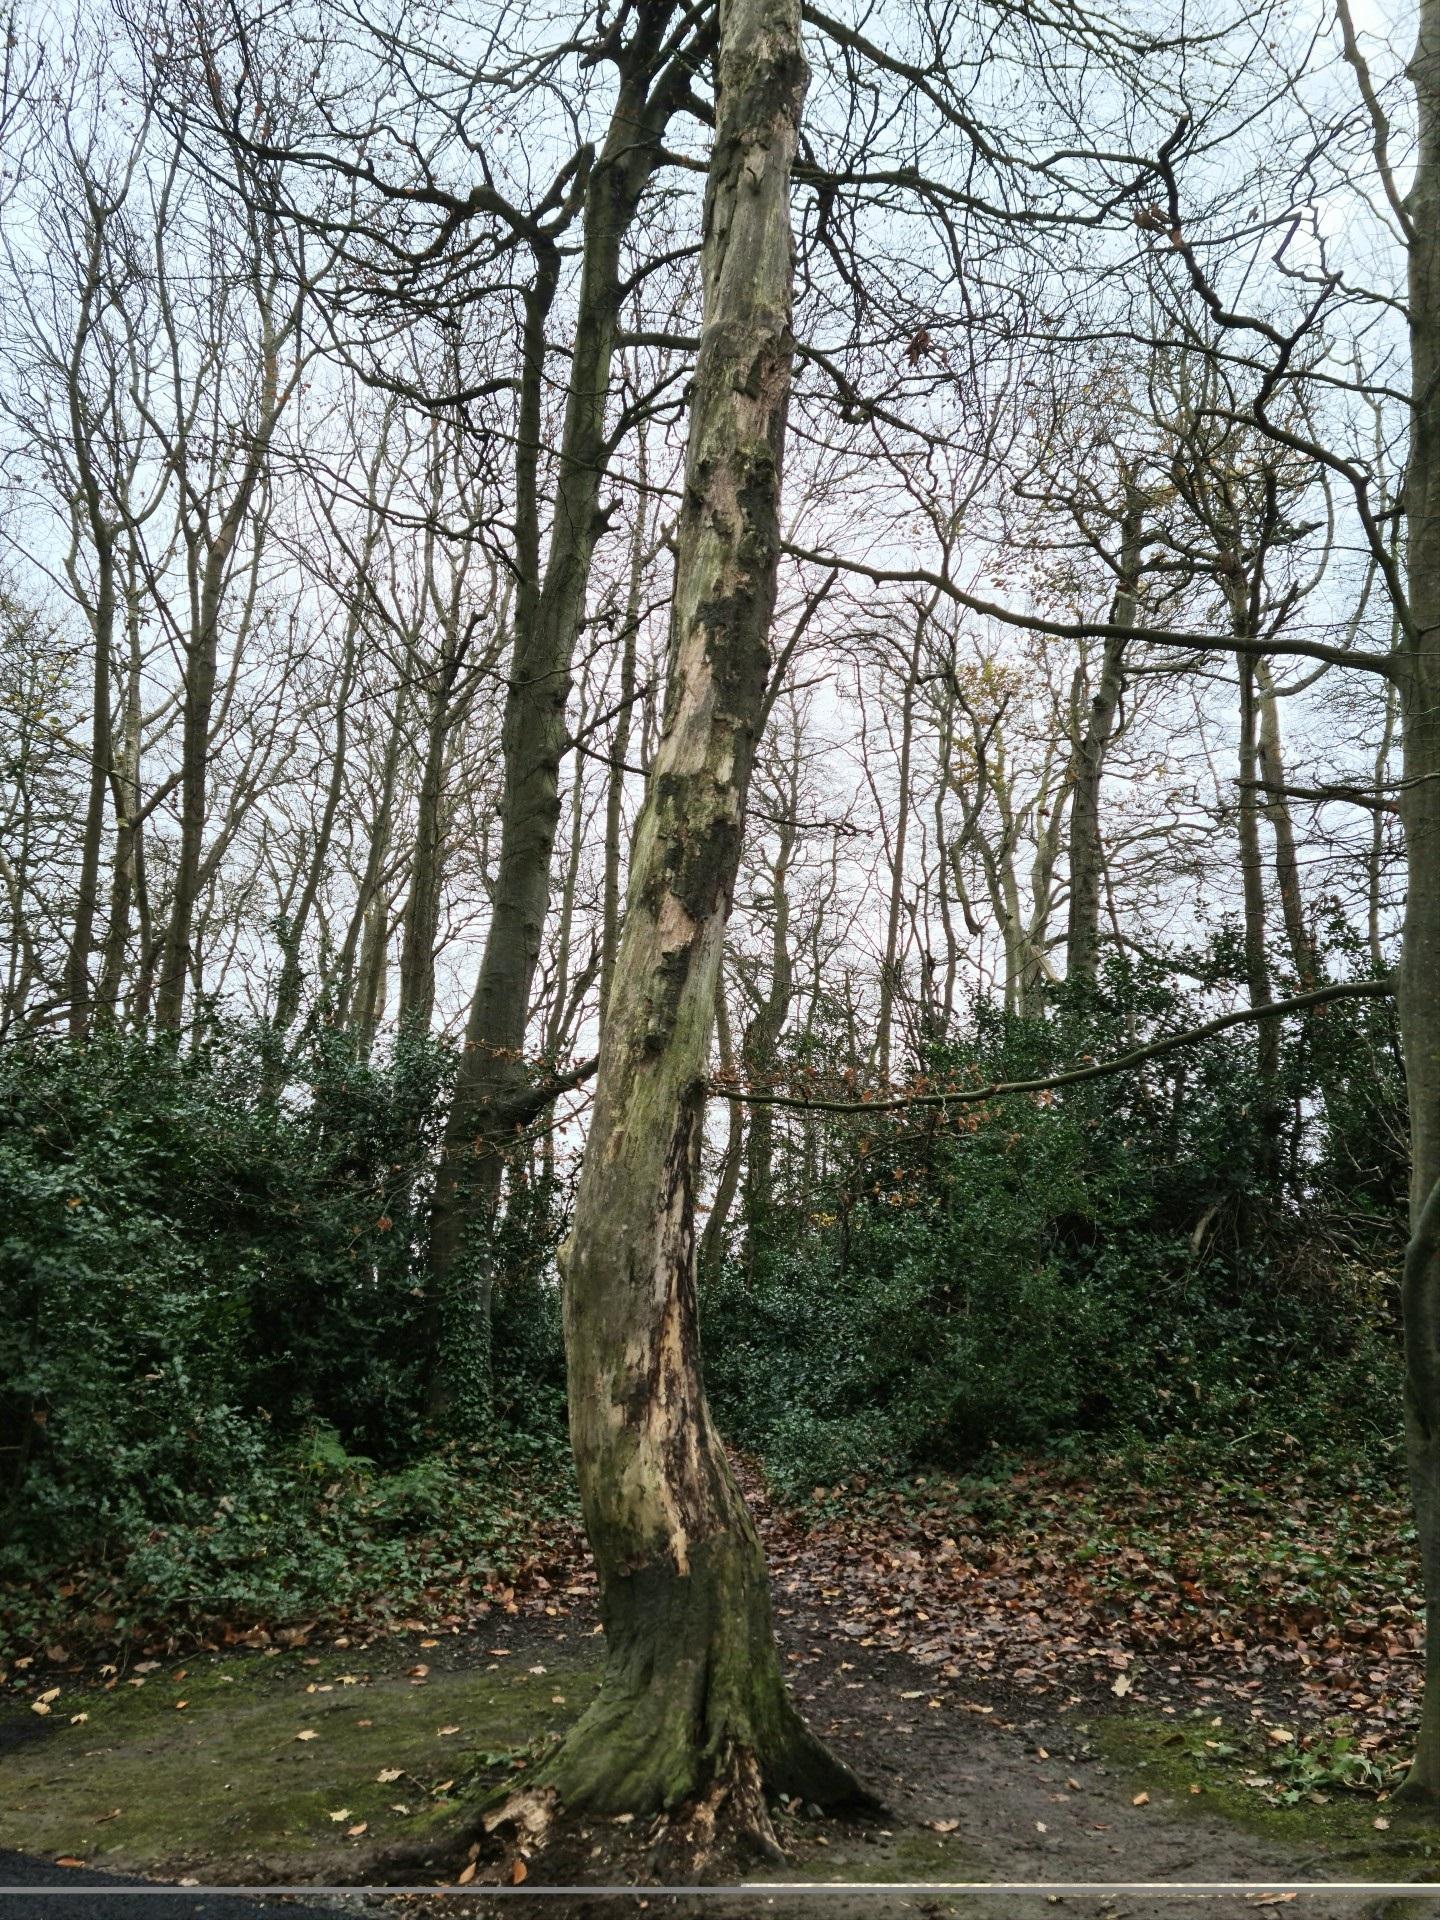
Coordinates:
x,y
693,1707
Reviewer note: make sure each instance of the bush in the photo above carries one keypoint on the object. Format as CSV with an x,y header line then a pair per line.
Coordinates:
x,y
215,1303
1141,1255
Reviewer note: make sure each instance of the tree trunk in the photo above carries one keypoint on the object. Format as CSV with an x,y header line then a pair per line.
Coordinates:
x,y
421,922
693,1707
125,869
1252,877
1277,811
619,748
1419,1001
492,1082
732,1159
1082,934
889,967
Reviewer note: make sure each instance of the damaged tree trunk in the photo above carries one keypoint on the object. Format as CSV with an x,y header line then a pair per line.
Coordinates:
x,y
693,1712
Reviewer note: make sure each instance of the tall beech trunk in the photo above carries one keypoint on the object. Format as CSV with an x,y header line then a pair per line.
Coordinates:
x,y
693,1707
492,1083
1419,978
1087,850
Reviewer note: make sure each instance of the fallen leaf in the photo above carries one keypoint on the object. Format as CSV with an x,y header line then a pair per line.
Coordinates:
x,y
1381,1822
467,1874
69,1860
447,1730
354,1833
78,1719
308,1733
340,1813
1141,1800
387,1774
944,1826
1121,1685
1279,1736
518,1871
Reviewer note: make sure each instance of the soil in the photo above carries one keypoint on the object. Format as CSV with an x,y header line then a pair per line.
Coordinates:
x,y
980,1781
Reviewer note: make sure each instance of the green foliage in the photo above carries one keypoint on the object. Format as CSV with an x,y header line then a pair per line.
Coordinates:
x,y
216,1348
1174,1249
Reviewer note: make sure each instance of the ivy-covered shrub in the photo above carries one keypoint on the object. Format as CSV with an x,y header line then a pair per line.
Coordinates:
x,y
214,1306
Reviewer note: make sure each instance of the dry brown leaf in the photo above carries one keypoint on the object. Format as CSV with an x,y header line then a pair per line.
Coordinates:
x,y
518,1871
467,1874
1141,1800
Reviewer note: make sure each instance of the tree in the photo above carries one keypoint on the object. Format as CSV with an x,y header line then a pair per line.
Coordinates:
x,y
693,1707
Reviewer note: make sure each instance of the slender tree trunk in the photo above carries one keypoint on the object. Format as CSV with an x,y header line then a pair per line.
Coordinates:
x,y
727,1180
492,1082
891,961
125,870
1419,997
421,920
1252,877
87,899
619,749
1082,934
1375,864
349,1003
693,1707
1277,812
372,980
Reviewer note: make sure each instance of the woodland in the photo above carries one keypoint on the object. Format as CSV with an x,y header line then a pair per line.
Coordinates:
x,y
720,945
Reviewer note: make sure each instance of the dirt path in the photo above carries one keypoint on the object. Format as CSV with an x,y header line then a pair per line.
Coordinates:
x,y
981,1780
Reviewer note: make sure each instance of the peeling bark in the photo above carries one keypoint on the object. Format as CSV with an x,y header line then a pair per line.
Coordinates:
x,y
693,1712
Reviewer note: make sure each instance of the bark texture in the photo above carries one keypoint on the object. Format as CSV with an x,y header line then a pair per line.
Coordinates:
x,y
693,1710
1419,979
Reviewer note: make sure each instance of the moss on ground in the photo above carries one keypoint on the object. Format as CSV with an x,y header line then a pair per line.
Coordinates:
x,y
226,1782
1202,1769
